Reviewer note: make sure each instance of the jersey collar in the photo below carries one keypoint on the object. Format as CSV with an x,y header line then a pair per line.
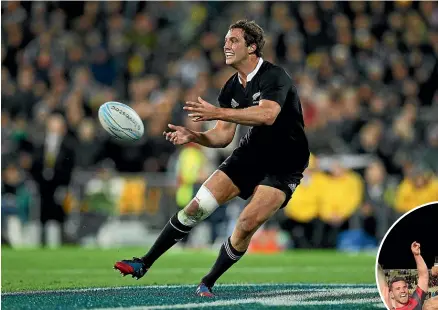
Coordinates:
x,y
253,73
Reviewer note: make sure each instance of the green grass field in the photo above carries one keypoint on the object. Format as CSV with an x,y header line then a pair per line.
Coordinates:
x,y
80,278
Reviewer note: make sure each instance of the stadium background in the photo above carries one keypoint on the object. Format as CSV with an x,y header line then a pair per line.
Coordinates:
x,y
367,76
366,73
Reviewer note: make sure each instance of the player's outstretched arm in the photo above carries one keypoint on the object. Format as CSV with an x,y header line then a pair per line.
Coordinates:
x,y
220,136
383,287
263,114
423,272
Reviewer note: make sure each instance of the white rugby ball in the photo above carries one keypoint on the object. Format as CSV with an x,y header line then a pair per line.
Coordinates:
x,y
121,121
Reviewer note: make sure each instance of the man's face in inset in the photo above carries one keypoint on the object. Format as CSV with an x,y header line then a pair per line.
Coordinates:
x,y
399,292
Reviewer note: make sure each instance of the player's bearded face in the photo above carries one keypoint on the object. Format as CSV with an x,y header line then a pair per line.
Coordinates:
x,y
235,48
400,291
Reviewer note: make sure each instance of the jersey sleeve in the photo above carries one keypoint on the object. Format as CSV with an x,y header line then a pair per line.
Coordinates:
x,y
224,97
419,295
275,85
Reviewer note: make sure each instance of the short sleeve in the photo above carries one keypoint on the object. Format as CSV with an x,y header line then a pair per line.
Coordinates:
x,y
225,94
419,295
275,85
223,98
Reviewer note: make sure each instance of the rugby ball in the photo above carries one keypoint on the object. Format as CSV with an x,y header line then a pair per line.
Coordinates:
x,y
121,121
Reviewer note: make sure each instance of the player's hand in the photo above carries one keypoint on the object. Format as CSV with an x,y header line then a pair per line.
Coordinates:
x,y
415,248
180,135
202,110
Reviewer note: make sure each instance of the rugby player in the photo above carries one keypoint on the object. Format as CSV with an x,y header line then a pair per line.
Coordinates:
x,y
267,165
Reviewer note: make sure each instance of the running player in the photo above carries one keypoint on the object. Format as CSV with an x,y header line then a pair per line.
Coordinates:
x,y
266,166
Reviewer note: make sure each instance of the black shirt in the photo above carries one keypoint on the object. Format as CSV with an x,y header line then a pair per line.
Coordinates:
x,y
284,142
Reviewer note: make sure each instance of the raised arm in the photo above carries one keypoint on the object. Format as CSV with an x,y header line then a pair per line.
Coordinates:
x,y
423,272
383,287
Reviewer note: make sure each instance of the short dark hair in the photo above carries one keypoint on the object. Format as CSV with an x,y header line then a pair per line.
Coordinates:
x,y
396,279
252,33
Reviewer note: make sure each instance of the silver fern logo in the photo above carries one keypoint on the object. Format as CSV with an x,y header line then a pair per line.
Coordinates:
x,y
292,186
255,98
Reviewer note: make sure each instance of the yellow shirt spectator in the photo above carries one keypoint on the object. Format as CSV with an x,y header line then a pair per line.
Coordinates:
x,y
307,198
191,163
342,195
409,196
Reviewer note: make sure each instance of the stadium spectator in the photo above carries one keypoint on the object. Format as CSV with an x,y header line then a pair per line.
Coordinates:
x,y
88,147
300,223
428,152
337,208
52,170
375,213
418,188
16,204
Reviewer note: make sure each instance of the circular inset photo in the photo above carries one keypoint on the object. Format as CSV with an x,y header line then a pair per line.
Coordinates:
x,y
407,261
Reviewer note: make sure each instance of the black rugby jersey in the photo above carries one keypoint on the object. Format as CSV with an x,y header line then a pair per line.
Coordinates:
x,y
285,139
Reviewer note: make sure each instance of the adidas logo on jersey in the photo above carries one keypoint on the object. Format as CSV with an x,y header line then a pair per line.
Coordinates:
x,y
234,103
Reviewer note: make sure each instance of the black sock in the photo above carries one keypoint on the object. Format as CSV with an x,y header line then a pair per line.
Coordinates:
x,y
228,256
173,232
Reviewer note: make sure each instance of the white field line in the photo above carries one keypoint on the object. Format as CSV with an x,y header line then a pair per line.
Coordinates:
x,y
296,298
376,302
259,270
308,286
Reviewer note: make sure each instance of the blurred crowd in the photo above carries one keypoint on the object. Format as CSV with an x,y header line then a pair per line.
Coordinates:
x,y
366,73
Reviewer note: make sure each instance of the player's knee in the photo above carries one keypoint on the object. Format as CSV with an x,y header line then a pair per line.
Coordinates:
x,y
199,208
192,208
